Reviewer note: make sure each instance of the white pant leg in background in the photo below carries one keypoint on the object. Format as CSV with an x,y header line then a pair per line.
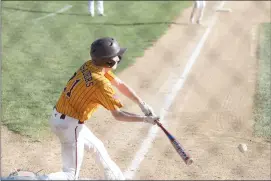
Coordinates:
x,y
91,7
74,139
100,7
200,5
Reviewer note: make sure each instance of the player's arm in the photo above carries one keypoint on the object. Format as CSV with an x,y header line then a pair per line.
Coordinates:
x,y
126,90
107,98
130,117
123,88
130,93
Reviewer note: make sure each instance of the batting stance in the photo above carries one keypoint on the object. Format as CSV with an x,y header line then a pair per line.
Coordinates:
x,y
197,11
89,87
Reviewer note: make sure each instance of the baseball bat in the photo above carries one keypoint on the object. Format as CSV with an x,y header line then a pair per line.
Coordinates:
x,y
178,147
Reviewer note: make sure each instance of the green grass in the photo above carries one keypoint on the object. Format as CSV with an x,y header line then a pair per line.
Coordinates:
x,y
263,92
39,57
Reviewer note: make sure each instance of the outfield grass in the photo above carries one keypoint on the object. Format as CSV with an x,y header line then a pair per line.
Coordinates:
x,y
263,92
40,56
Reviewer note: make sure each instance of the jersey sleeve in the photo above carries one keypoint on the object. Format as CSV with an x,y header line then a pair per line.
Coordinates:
x,y
110,75
106,97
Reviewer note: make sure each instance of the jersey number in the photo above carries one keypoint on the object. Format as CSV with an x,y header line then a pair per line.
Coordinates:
x,y
68,94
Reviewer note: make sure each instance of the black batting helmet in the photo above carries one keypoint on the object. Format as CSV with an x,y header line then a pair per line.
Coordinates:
x,y
103,50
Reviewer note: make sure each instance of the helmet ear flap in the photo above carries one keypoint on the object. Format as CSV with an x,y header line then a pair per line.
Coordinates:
x,y
110,63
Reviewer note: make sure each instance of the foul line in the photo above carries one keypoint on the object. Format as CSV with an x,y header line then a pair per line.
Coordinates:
x,y
147,143
65,8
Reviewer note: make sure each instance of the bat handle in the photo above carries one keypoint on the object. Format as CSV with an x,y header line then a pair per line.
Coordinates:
x,y
158,123
161,126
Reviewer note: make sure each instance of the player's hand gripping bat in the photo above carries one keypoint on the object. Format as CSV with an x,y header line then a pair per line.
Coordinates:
x,y
178,147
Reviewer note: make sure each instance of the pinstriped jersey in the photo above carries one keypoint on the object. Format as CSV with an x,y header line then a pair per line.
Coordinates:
x,y
88,88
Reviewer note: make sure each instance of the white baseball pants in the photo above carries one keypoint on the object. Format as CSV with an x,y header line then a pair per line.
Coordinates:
x,y
200,4
74,138
198,10
100,7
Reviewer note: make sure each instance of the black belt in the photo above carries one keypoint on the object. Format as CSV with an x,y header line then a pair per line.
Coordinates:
x,y
63,116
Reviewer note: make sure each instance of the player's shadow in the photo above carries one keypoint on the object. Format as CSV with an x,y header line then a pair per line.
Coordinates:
x,y
92,23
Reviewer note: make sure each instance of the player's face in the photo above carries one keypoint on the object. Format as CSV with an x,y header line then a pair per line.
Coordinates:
x,y
117,60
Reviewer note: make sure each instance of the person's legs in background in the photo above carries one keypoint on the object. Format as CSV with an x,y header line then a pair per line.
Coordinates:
x,y
100,8
91,7
201,8
193,12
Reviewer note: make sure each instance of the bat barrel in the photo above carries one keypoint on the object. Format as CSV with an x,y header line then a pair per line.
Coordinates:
x,y
185,156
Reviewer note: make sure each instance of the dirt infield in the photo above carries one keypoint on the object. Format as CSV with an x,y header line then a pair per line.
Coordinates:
x,y
210,116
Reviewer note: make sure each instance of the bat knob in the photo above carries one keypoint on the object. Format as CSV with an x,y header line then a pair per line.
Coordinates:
x,y
189,161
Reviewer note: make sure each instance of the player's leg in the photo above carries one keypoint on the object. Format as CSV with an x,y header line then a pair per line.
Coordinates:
x,y
91,7
202,5
92,143
193,12
100,8
72,148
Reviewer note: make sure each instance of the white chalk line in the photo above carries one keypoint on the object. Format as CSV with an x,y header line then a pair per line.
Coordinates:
x,y
65,8
147,143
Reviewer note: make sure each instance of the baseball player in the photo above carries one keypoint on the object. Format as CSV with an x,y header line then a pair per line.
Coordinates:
x,y
197,8
89,87
100,8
